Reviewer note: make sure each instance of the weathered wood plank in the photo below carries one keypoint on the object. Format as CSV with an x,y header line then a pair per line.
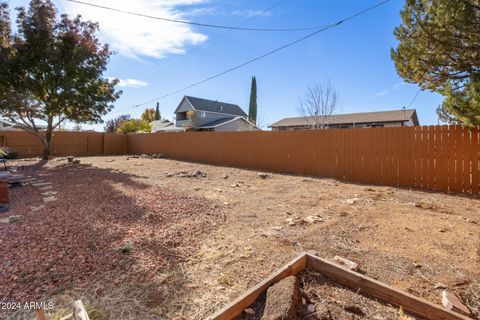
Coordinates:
x,y
356,281
235,308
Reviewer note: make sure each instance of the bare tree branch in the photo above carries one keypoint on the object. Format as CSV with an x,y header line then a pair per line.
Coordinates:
x,y
320,102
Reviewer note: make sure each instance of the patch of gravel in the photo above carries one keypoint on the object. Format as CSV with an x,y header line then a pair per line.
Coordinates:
x,y
104,230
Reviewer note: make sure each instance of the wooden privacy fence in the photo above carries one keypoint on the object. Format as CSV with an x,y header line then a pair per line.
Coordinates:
x,y
442,158
65,143
431,157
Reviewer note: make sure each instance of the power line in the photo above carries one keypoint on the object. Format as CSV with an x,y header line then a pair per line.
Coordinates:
x,y
210,41
414,98
198,24
335,24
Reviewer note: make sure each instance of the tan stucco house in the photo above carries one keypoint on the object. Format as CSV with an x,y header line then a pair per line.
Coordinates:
x,y
391,118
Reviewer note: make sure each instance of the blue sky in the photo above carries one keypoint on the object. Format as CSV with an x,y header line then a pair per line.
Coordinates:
x,y
155,57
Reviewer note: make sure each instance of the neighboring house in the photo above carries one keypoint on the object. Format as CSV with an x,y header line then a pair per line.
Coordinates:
x,y
5,125
393,118
161,125
207,115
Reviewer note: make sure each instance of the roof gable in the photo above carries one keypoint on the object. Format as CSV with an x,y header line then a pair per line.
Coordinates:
x,y
215,106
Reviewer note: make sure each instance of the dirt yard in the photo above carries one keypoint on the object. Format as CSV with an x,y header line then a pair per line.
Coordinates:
x,y
146,238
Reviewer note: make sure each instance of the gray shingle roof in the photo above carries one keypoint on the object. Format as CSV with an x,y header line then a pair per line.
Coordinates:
x,y
364,117
216,106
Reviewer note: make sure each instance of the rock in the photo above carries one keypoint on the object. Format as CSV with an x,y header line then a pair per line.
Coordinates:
x,y
138,164
49,193
311,308
352,201
346,263
218,189
249,311
196,189
282,300
41,184
34,209
110,160
235,185
226,176
355,310
50,199
277,228
46,188
262,175
70,158
440,285
451,302
313,219
11,219
76,161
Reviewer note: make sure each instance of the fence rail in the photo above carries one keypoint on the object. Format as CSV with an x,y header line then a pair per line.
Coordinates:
x,y
442,158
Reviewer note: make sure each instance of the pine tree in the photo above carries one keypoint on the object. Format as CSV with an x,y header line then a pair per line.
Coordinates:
x,y
252,109
157,112
439,50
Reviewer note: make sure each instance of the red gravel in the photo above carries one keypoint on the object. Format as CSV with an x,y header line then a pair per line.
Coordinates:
x,y
76,242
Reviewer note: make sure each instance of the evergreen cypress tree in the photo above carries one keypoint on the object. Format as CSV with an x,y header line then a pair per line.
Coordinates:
x,y
252,109
157,112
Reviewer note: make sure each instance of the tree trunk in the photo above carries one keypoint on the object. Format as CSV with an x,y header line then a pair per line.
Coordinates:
x,y
47,139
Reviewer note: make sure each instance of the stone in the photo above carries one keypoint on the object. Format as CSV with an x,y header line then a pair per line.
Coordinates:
x,y
14,218
41,184
49,193
440,285
10,219
262,175
311,308
249,311
352,201
46,188
138,164
346,263
226,176
50,199
34,209
451,302
282,300
110,160
313,219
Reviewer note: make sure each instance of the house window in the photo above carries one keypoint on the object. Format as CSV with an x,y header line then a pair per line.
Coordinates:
x,y
203,114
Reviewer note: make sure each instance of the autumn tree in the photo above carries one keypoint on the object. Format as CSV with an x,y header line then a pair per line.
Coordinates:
x,y
148,115
112,125
51,70
439,49
134,125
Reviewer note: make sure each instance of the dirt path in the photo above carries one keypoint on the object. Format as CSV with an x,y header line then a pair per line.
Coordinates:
x,y
410,239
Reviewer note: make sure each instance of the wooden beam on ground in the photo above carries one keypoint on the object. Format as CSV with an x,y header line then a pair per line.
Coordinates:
x,y
40,314
410,303
79,312
236,307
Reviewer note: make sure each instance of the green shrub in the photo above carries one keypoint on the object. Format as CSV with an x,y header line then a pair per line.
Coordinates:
x,y
127,248
8,153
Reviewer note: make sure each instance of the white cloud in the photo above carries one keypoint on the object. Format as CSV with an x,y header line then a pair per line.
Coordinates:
x,y
135,36
130,83
251,13
389,90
